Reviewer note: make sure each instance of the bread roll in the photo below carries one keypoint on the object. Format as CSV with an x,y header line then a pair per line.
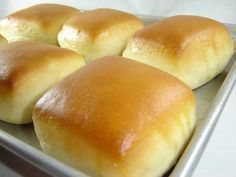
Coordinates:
x,y
116,118
27,70
2,40
99,32
193,49
40,22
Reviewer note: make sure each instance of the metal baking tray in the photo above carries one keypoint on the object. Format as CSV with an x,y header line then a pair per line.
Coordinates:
x,y
211,99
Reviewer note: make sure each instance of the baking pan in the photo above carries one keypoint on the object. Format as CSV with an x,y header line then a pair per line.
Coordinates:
x,y
211,99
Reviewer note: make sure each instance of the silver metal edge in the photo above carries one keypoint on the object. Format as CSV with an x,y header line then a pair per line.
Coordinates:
x,y
203,131
37,158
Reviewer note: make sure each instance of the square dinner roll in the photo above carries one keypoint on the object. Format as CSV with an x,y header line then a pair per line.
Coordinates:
x,y
27,70
99,32
193,49
41,22
116,118
2,40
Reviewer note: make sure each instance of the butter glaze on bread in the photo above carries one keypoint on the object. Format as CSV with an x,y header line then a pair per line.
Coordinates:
x,y
2,40
99,32
116,118
41,22
27,70
194,49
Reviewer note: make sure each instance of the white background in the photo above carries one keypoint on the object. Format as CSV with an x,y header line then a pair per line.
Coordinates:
x,y
219,158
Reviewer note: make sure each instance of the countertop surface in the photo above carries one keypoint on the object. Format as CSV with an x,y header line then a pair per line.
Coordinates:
x,y
219,157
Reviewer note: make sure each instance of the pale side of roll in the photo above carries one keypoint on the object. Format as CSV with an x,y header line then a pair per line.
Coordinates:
x,y
193,49
116,118
99,32
40,22
27,71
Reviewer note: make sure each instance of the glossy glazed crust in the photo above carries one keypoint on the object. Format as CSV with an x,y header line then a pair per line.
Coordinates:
x,y
155,152
27,71
94,22
99,32
177,32
19,59
41,22
192,48
112,102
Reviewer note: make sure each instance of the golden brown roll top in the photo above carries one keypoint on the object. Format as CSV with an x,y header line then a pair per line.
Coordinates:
x,y
194,49
177,32
99,32
41,22
27,70
2,40
116,118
